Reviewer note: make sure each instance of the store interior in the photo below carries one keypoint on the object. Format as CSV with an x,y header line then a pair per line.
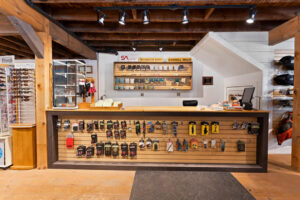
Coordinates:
x,y
147,93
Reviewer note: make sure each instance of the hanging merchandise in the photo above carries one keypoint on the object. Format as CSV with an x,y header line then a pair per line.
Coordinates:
x,y
123,125
58,124
137,127
81,125
244,125
284,79
81,87
124,149
213,143
288,62
155,145
133,149
285,128
90,152
107,148
157,125
94,139
90,127
87,88
92,89
81,151
149,143
170,146
123,134
185,145
109,133
151,127
174,125
253,128
165,127
144,128
223,145
96,125
178,145
192,128
116,125
102,125
204,128
215,127
67,124
205,143
241,146
117,134
142,144
115,149
235,125
109,125
194,143
100,148
70,141
75,126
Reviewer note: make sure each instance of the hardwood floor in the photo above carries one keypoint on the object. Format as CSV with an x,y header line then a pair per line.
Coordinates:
x,y
280,183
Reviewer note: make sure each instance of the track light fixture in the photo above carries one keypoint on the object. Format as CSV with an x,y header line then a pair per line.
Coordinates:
x,y
252,14
185,19
133,48
122,19
160,48
146,19
101,20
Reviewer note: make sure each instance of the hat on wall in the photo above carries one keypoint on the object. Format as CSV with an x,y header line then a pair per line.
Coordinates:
x,y
288,62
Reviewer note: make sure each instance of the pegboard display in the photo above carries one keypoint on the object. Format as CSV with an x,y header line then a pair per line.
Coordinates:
x,y
208,139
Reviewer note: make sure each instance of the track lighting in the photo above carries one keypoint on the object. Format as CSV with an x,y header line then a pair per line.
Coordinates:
x,y
146,19
252,14
185,19
122,19
101,20
134,48
160,49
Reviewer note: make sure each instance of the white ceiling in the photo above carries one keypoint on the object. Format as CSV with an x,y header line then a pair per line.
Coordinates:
x,y
223,57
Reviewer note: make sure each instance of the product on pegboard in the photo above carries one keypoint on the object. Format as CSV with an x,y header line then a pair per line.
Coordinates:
x,y
170,146
178,145
157,125
90,152
58,124
109,134
94,139
174,125
115,149
165,127
90,127
150,127
253,128
192,128
142,144
155,144
223,144
109,125
81,150
96,125
185,145
204,128
215,127
75,126
116,124
213,143
100,148
67,124
144,128
81,125
124,150
241,146
137,127
107,148
235,125
102,125
123,134
194,143
149,143
205,143
70,141
244,125
123,124
133,149
117,134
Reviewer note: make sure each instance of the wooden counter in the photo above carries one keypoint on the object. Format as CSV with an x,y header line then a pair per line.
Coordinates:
x,y
254,159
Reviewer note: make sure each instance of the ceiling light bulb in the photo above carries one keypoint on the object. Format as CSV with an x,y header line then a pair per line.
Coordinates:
x,y
160,48
185,19
252,14
134,49
122,19
101,20
146,19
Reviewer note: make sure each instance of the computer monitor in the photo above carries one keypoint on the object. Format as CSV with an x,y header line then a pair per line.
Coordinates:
x,y
247,98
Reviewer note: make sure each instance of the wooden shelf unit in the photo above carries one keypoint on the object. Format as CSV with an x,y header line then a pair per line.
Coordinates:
x,y
172,79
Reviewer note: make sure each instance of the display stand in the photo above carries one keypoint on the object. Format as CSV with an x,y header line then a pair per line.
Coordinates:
x,y
84,104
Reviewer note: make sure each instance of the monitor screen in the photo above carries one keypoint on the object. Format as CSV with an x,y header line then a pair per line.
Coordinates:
x,y
247,95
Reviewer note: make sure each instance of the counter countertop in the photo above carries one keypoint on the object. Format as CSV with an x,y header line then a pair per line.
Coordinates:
x,y
159,109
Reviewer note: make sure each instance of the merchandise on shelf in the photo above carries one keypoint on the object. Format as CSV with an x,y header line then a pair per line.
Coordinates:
x,y
133,149
124,150
115,149
204,128
241,146
170,146
215,127
192,128
90,152
70,141
100,148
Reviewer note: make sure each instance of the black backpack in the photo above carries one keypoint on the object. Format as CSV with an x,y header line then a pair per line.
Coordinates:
x,y
288,62
284,79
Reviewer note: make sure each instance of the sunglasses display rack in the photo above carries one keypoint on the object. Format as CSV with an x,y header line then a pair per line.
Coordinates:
x,y
153,76
22,93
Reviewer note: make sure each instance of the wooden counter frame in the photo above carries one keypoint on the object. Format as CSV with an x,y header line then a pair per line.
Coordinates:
x,y
261,154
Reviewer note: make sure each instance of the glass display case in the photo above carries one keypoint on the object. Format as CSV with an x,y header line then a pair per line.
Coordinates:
x,y
65,84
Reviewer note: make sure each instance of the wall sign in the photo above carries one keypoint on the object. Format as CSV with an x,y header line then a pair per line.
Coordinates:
x,y
207,80
7,60
128,58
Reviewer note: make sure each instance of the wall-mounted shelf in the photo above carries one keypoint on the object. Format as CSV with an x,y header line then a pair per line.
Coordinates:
x,y
153,76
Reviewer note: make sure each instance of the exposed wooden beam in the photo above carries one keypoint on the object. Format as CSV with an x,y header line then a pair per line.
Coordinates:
x,y
29,35
127,43
171,27
134,16
16,41
6,28
285,31
145,36
15,52
15,47
208,13
219,15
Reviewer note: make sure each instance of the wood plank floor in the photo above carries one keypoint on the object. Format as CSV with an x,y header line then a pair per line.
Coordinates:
x,y
280,183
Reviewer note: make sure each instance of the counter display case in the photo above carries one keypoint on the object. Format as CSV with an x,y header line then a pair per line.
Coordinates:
x,y
153,76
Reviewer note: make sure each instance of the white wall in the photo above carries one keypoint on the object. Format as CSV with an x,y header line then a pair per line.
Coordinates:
x,y
204,94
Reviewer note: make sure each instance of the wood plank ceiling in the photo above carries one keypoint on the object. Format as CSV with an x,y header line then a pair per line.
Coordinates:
x,y
165,28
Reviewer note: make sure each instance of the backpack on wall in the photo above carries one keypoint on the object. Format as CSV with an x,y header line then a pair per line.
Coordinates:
x,y
284,79
288,62
285,128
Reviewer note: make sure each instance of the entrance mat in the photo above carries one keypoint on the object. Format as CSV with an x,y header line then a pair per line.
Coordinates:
x,y
181,185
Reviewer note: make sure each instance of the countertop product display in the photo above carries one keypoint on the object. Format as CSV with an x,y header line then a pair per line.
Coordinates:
x,y
158,138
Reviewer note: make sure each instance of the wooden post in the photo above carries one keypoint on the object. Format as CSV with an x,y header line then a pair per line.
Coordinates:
x,y
296,110
43,71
